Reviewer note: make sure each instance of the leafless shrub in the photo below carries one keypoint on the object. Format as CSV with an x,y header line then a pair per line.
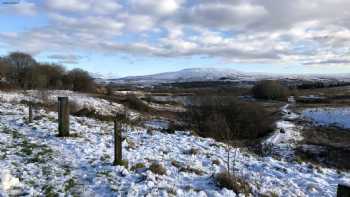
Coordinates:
x,y
269,89
22,71
216,117
135,103
262,149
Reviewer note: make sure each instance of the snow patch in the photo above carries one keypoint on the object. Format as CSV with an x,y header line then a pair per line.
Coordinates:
x,y
7,181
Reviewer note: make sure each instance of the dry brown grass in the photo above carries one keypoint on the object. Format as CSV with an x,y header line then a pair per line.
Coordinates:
x,y
327,136
331,146
176,164
190,169
235,183
157,168
216,162
183,168
192,151
335,96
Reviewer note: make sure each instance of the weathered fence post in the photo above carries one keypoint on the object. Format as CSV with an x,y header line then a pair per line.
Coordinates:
x,y
63,117
343,191
117,143
30,113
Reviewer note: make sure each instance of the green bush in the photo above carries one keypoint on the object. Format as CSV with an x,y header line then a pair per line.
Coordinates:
x,y
271,90
137,166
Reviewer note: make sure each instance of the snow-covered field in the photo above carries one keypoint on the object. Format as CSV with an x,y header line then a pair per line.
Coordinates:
x,y
339,117
80,100
34,162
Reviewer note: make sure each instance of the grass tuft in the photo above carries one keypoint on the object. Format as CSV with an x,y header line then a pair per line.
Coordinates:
x,y
192,151
216,162
235,183
137,166
157,169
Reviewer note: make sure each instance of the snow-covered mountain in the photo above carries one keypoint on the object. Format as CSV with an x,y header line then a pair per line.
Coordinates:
x,y
221,74
191,74
103,78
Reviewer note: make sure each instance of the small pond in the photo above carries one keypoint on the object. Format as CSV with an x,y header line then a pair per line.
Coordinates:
x,y
326,116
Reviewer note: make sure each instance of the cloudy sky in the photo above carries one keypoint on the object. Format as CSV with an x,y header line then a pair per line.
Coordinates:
x,y
134,37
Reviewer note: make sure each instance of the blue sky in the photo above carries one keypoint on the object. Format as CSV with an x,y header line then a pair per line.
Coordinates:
x,y
138,37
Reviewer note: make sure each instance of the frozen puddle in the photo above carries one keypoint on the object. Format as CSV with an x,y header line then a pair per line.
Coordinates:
x,y
328,116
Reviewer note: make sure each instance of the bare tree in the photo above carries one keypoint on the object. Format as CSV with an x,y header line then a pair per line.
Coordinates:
x,y
80,80
21,64
22,71
269,89
228,135
4,69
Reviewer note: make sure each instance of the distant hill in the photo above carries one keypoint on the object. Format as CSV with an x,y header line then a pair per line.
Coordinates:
x,y
222,74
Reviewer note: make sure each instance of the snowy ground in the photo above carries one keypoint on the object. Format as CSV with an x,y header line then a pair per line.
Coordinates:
x,y
166,107
34,162
80,100
328,116
287,134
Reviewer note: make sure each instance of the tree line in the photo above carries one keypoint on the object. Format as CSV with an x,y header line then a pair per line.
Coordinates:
x,y
318,85
21,71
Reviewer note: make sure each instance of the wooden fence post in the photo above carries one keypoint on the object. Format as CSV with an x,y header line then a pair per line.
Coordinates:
x,y
117,144
30,113
343,191
63,117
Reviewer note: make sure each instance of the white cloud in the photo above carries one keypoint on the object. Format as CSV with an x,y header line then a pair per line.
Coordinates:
x,y
250,31
104,7
138,23
65,58
22,8
98,25
159,7
70,6
226,16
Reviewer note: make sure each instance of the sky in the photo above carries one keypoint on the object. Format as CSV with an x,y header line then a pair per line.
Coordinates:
x,y
139,37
